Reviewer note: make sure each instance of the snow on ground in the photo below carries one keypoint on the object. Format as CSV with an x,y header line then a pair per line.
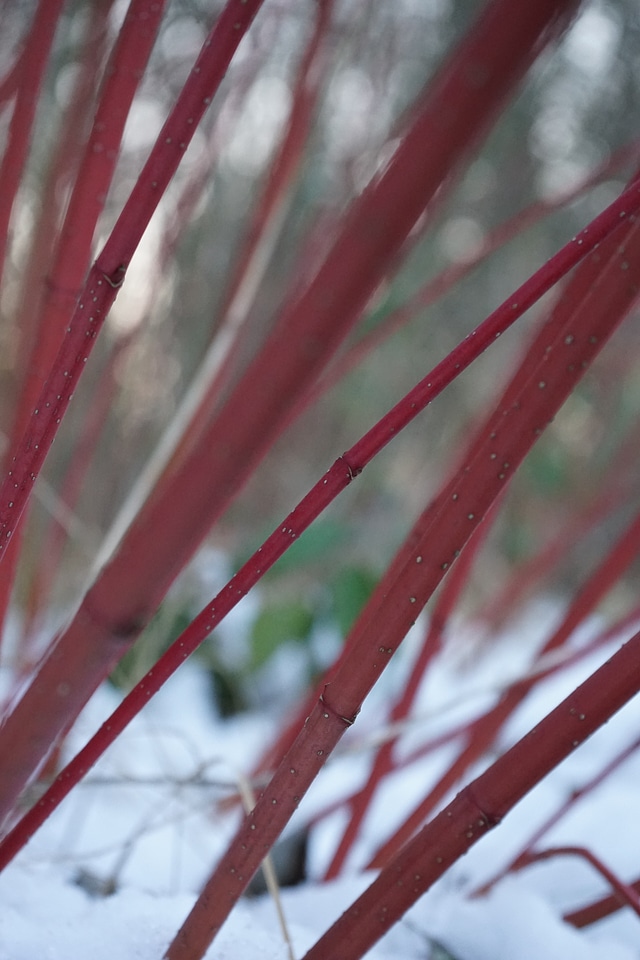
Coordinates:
x,y
145,828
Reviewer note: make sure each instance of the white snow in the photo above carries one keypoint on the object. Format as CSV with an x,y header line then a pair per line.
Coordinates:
x,y
147,821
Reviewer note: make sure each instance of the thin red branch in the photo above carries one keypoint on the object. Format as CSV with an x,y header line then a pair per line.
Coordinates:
x,y
452,587
448,278
260,240
599,909
607,573
586,302
60,175
624,892
68,267
525,856
327,488
480,806
55,271
499,48
543,668
107,274
411,580
39,262
68,270
33,63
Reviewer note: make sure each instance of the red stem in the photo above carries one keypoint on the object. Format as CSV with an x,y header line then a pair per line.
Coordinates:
x,y
608,572
72,254
480,806
156,547
29,73
39,261
262,234
107,273
526,855
71,488
599,909
63,169
68,269
585,302
123,75
453,585
464,730
625,892
33,63
410,581
336,479
286,738
447,279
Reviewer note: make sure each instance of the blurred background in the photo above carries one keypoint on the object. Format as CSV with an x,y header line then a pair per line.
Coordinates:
x,y
578,108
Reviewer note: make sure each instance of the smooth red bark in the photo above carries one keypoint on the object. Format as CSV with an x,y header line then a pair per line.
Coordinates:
x,y
254,256
72,257
524,857
383,763
608,572
30,73
599,909
448,278
56,671
480,806
50,297
548,373
108,272
460,104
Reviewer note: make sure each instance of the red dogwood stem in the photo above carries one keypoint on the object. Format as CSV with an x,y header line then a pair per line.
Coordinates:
x,y
28,73
480,806
599,909
107,274
625,891
501,45
309,508
561,353
52,302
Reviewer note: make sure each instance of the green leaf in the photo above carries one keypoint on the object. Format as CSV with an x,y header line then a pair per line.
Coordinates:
x,y
546,465
227,691
351,590
314,545
277,624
